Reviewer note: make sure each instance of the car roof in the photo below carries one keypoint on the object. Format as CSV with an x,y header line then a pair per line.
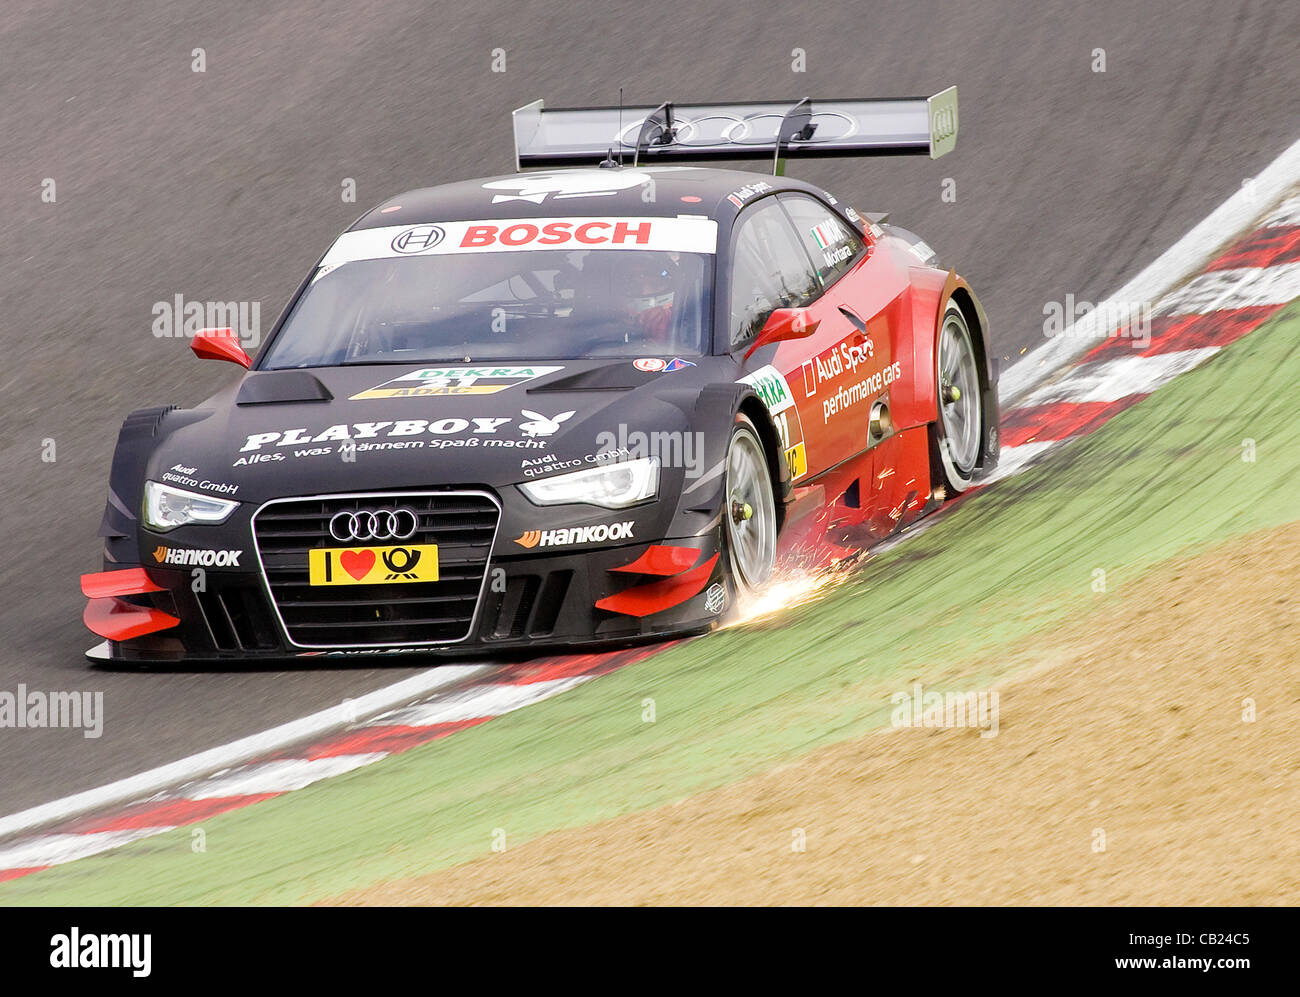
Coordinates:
x,y
632,191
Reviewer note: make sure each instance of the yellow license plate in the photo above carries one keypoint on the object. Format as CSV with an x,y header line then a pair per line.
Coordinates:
x,y
373,565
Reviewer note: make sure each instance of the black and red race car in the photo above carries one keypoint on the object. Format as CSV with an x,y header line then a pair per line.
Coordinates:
x,y
568,407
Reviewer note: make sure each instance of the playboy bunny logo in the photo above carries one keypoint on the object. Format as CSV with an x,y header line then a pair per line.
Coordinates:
x,y
540,425
537,187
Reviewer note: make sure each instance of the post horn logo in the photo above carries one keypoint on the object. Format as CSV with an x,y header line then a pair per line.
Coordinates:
x,y
401,562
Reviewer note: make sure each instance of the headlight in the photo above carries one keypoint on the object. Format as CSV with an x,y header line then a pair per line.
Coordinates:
x,y
610,486
166,508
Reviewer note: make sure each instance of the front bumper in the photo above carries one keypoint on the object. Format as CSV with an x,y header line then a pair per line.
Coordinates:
x,y
151,613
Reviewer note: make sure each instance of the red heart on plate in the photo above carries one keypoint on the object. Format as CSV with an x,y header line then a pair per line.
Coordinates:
x,y
357,563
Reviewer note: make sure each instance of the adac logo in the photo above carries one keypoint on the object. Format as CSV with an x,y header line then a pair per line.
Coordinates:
x,y
418,240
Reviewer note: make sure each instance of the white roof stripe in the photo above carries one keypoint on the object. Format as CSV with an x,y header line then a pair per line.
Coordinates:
x,y
504,235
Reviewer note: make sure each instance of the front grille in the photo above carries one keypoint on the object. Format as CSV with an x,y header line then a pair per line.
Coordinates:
x,y
462,524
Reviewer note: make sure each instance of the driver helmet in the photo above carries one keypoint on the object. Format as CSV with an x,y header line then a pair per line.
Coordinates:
x,y
648,293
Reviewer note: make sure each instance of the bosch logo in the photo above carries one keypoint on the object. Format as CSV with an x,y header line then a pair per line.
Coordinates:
x,y
419,239
381,524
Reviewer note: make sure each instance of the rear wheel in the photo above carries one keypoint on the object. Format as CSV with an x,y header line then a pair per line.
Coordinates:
x,y
958,431
749,511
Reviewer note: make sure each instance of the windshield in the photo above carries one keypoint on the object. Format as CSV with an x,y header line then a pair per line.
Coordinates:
x,y
540,304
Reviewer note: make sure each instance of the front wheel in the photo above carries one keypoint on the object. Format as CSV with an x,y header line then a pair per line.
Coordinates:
x,y
749,511
958,430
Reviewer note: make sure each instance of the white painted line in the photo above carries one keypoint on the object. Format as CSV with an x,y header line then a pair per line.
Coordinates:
x,y
55,849
245,749
1111,380
1245,287
288,774
281,776
1013,460
1175,264
484,701
1287,213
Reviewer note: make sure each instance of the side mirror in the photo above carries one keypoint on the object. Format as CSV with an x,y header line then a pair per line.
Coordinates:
x,y
220,344
781,325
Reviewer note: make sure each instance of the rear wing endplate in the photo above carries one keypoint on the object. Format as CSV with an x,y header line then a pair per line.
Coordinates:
x,y
774,130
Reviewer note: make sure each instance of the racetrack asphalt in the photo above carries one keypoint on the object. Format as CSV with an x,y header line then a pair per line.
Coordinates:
x,y
225,185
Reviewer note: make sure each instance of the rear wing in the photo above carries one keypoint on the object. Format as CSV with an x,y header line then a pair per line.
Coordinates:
x,y
673,133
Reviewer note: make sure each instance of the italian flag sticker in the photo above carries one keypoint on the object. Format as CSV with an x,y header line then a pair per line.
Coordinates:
x,y
824,233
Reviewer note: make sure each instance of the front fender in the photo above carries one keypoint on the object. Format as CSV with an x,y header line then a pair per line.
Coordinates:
x,y
712,414
136,441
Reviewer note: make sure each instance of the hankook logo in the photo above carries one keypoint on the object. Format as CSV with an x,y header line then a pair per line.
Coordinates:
x,y
379,524
418,239
192,556
576,535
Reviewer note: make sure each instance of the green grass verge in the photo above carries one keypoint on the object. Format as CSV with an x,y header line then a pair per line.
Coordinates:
x,y
1164,478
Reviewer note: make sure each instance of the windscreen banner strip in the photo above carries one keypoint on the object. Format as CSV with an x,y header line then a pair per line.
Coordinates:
x,y
504,235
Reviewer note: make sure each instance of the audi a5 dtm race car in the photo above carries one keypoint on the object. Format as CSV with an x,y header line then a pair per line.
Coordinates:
x,y
575,406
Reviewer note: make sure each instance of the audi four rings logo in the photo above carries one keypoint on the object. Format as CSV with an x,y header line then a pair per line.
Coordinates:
x,y
418,239
381,524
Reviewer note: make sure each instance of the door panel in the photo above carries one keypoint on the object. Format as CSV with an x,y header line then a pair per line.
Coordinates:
x,y
784,257
836,374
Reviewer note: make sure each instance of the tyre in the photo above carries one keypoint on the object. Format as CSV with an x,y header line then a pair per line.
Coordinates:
x,y
957,434
749,512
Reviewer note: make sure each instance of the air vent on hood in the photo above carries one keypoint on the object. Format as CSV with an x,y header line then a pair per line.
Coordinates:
x,y
620,376
281,386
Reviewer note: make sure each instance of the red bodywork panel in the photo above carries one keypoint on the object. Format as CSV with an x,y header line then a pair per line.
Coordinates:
x,y
111,617
874,341
118,620
127,581
220,344
916,403
870,338
662,560
643,600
